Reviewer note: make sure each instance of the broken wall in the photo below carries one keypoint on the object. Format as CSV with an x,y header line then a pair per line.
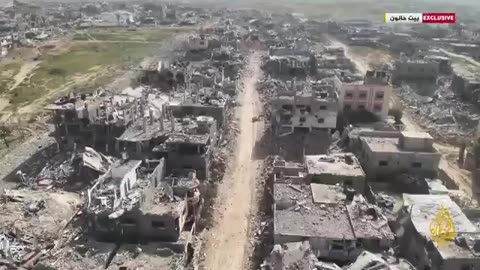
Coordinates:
x,y
135,225
183,110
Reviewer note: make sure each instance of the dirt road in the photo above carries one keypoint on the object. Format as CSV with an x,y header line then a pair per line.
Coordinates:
x,y
227,241
449,153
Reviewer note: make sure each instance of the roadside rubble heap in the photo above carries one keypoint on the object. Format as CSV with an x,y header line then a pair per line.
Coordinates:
x,y
443,114
11,249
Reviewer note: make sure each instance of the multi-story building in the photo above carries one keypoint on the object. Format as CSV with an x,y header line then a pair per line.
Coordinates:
x,y
394,153
415,70
310,106
373,94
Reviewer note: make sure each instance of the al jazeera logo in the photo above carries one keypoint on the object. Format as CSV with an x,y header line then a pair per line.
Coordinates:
x,y
442,226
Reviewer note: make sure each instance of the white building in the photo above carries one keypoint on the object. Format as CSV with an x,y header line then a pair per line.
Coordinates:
x,y
196,43
373,94
406,152
306,106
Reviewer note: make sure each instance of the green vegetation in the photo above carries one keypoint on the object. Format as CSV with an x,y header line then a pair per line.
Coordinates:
x,y
82,59
84,66
7,72
152,34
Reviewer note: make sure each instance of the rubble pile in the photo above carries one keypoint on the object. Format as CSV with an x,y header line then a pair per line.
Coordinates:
x,y
443,114
11,249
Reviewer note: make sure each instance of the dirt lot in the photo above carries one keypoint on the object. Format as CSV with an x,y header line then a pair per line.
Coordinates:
x,y
227,241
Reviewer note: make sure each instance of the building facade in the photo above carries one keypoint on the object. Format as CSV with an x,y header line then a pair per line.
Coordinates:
x,y
373,94
406,152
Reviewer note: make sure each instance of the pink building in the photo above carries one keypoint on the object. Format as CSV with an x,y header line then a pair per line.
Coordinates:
x,y
373,94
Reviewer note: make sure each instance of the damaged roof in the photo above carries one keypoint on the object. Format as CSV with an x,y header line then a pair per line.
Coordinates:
x,y
368,222
345,164
304,218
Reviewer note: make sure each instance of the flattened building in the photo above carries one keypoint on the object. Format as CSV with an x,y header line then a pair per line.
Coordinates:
x,y
337,226
343,169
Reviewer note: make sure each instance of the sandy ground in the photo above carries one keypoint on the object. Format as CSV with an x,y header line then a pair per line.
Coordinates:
x,y
25,70
467,58
227,241
448,164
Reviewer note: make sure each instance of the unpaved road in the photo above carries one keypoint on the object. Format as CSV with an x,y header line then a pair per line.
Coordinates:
x,y
460,176
227,241
466,58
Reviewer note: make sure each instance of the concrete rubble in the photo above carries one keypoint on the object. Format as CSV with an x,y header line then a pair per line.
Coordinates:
x,y
128,182
338,198
138,161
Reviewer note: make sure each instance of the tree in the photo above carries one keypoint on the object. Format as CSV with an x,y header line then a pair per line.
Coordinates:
x,y
397,114
4,133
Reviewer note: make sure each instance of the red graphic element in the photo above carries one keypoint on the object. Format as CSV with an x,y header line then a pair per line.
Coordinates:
x,y
445,17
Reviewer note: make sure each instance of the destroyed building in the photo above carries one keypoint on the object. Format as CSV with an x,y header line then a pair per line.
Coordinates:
x,y
337,230
417,245
370,261
135,201
467,87
406,70
192,146
310,106
372,95
93,120
343,169
202,102
197,48
333,57
163,75
289,62
383,154
297,255
138,125
185,142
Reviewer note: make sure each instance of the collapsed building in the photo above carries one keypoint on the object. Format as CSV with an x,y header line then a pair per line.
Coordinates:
x,y
197,48
163,75
303,118
289,62
333,57
368,261
134,200
467,87
408,70
336,169
93,120
337,229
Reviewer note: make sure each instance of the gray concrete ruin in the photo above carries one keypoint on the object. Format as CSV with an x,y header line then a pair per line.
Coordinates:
x,y
339,230
134,202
